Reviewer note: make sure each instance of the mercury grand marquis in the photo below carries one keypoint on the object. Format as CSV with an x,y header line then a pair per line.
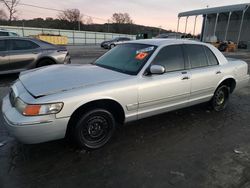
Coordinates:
x,y
134,80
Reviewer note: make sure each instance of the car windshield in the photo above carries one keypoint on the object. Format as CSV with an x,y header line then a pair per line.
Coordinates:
x,y
126,58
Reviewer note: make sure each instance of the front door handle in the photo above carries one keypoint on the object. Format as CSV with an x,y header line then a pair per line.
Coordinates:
x,y
218,72
185,78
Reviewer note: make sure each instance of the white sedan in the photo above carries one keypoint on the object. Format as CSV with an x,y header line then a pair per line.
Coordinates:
x,y
134,80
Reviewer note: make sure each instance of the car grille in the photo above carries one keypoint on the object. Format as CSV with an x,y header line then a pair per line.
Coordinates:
x,y
12,97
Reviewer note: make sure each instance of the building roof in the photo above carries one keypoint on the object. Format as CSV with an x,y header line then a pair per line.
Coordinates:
x,y
215,10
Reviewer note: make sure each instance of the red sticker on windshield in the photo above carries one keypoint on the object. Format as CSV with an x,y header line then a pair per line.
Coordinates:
x,y
141,55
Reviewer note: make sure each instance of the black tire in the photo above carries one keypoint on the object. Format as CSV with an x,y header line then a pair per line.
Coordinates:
x,y
220,99
94,129
45,62
223,47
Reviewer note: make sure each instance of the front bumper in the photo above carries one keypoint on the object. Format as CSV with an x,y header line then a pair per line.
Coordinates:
x,y
32,130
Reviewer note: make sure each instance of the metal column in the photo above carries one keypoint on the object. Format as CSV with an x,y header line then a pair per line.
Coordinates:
x,y
215,25
194,25
186,25
241,24
228,22
177,27
178,24
205,27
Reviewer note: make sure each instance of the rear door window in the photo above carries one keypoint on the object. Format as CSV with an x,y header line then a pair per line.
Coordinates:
x,y
212,60
171,57
196,55
3,46
18,44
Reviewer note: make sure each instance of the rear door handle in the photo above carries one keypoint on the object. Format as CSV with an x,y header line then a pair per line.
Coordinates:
x,y
218,72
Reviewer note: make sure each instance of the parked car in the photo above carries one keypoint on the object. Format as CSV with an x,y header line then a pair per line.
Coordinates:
x,y
4,33
242,45
18,54
135,80
109,44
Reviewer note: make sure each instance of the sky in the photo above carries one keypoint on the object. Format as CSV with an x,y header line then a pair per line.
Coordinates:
x,y
158,13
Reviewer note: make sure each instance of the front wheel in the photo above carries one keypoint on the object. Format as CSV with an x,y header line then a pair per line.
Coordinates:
x,y
94,129
220,99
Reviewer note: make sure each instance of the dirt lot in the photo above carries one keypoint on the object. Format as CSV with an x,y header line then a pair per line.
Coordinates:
x,y
192,147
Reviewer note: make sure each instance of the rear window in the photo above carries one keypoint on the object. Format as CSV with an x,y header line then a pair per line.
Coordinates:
x,y
4,33
212,60
196,55
23,45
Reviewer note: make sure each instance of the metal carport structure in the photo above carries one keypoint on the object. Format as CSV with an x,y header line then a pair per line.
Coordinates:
x,y
225,22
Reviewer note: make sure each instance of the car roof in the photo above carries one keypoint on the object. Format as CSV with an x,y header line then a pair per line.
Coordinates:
x,y
44,44
16,37
164,42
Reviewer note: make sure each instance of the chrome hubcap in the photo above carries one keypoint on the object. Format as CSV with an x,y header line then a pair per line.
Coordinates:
x,y
220,98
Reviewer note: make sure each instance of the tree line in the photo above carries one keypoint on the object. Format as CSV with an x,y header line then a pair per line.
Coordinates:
x,y
72,19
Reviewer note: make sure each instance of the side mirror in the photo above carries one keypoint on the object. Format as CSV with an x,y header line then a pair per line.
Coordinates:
x,y
157,69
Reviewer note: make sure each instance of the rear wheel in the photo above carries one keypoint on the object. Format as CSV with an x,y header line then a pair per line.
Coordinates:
x,y
45,62
94,129
220,99
112,46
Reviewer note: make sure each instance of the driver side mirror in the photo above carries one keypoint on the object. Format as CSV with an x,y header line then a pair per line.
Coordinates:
x,y
157,69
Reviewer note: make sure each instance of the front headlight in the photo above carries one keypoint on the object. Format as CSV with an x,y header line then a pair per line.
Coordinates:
x,y
37,109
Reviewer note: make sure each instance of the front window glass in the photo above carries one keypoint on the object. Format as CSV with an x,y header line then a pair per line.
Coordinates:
x,y
23,45
171,57
126,58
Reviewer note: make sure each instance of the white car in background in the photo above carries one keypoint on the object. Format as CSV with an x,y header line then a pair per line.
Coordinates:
x,y
5,33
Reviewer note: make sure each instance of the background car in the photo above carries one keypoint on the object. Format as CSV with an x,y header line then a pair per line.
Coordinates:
x,y
19,54
109,44
5,33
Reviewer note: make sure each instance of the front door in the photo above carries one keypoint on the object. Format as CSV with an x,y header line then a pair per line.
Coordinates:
x,y
168,91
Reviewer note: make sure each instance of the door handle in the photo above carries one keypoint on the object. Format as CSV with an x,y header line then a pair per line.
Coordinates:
x,y
218,72
185,78
34,52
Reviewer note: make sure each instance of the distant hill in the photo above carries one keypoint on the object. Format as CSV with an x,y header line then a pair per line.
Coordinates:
x,y
132,29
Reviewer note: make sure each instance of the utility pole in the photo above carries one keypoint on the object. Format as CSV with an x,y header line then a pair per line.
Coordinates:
x,y
79,22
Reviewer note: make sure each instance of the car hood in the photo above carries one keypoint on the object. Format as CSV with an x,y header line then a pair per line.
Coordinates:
x,y
58,78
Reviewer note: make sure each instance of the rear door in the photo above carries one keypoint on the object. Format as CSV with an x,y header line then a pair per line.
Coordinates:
x,y
23,54
4,56
204,70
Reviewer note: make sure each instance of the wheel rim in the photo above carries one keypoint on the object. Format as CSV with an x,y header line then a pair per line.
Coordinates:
x,y
96,130
220,98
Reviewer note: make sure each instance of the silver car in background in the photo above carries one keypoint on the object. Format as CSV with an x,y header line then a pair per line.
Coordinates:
x,y
18,54
132,81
